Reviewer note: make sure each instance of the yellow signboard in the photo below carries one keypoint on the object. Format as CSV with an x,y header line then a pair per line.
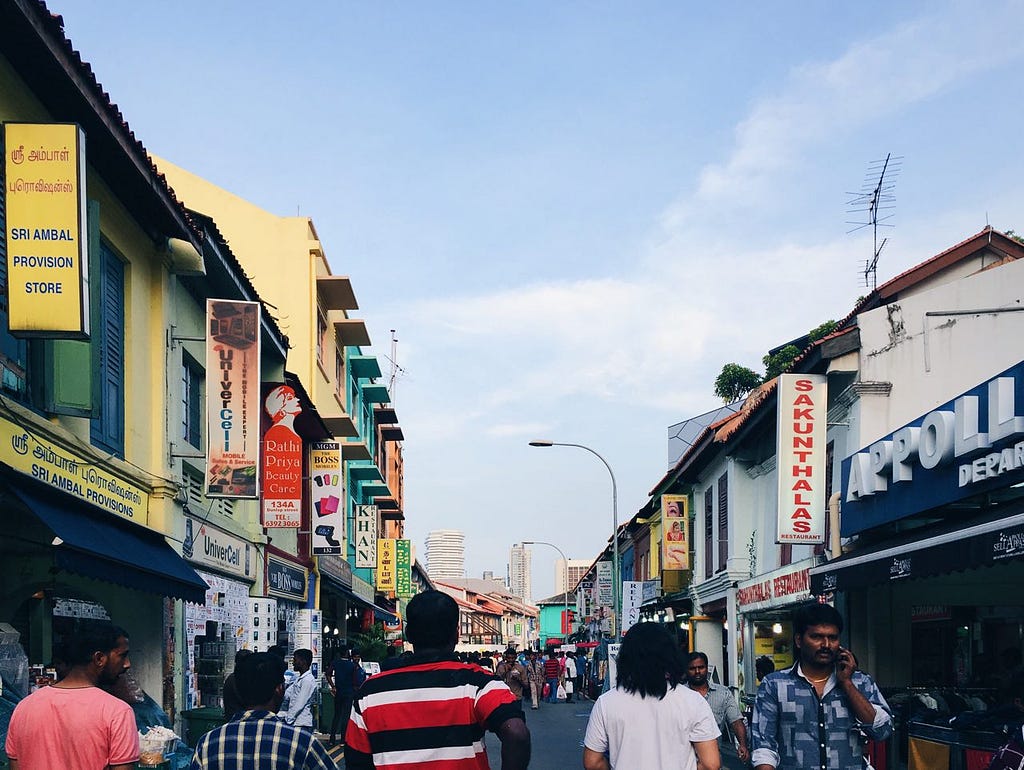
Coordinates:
x,y
386,560
47,249
71,473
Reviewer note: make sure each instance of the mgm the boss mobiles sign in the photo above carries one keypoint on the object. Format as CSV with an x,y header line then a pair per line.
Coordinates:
x,y
46,229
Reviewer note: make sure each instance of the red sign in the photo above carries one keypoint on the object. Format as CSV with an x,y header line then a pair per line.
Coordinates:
x,y
281,495
802,426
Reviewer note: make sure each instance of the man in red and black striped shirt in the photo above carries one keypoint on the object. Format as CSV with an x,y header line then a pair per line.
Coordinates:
x,y
430,711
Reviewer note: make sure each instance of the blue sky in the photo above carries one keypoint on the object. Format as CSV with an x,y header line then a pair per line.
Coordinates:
x,y
574,213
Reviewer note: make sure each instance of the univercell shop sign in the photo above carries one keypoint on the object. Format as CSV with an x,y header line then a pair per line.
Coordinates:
x,y
802,426
46,230
967,446
217,549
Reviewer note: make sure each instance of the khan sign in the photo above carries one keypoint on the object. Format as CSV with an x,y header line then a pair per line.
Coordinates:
x,y
967,446
47,255
802,426
366,536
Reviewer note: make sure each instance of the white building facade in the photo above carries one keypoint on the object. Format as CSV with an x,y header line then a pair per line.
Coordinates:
x,y
446,554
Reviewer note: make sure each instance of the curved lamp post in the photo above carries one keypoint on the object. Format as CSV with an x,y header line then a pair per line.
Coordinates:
x,y
565,594
616,586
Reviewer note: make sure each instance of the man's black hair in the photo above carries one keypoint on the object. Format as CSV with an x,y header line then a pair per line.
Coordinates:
x,y
91,638
278,650
257,676
431,620
242,653
694,656
816,615
304,655
649,661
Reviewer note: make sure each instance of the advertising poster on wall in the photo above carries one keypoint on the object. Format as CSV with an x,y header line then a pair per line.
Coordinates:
x,y
327,496
675,542
232,398
282,459
403,568
802,427
365,536
386,565
47,234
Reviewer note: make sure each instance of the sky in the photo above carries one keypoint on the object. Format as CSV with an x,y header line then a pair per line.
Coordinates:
x,y
573,214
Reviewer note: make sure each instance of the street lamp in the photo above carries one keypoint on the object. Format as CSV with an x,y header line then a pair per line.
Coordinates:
x,y
616,586
565,594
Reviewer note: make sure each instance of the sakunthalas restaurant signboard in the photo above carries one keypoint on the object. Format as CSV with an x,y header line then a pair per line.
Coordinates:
x,y
964,447
46,230
802,426
232,398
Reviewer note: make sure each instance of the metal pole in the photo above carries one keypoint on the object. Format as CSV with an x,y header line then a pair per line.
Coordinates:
x,y
616,583
565,594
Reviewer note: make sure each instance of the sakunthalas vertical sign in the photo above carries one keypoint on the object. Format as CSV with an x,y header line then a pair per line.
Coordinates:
x,y
232,398
327,496
282,459
403,568
46,230
365,536
386,565
802,428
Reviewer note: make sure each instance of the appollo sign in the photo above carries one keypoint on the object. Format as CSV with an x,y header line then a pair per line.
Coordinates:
x,y
966,446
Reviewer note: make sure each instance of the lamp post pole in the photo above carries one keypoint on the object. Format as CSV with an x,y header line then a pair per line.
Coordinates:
x,y
565,594
616,584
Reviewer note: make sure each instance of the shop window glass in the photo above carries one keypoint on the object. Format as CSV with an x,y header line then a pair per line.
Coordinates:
x,y
192,399
709,504
107,430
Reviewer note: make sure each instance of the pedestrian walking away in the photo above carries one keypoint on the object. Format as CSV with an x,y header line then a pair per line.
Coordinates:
x,y
813,714
74,724
232,700
720,699
430,711
256,737
569,676
651,720
552,675
343,677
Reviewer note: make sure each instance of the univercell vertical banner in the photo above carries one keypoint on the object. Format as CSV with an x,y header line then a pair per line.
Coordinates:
x,y
327,496
403,568
386,565
675,525
365,536
232,398
282,459
46,230
802,428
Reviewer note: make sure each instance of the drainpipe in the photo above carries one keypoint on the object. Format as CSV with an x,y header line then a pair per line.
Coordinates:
x,y
835,547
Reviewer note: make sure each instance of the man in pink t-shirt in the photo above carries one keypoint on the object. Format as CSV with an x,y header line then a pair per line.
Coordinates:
x,y
74,725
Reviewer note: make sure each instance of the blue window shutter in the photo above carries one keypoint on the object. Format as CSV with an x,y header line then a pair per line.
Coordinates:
x,y
107,430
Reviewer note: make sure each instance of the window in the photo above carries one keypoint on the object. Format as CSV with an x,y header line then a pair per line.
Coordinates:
x,y
709,532
830,456
107,430
723,521
191,401
321,338
339,374
199,504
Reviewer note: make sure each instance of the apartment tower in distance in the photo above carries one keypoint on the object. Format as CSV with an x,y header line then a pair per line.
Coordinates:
x,y
446,554
577,569
519,582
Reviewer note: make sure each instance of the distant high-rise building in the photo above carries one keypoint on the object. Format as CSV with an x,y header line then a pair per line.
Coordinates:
x,y
446,554
519,582
577,569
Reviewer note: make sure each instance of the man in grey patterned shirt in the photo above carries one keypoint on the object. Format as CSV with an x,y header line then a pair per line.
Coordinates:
x,y
812,715
723,704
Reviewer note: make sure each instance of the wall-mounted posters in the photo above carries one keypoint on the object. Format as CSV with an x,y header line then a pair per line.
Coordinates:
x,y
232,398
282,459
46,230
675,543
366,537
327,496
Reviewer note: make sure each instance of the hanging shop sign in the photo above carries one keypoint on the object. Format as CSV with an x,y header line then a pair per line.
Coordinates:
x,y
802,428
46,230
232,398
285,580
787,585
281,497
604,583
652,590
217,549
327,496
386,565
362,589
632,599
71,473
337,568
403,569
366,536
675,545
967,446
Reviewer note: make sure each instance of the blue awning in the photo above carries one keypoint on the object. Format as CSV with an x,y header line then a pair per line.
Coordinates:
x,y
95,544
382,614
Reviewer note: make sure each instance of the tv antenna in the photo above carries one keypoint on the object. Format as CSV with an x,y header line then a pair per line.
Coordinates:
x,y
877,195
396,370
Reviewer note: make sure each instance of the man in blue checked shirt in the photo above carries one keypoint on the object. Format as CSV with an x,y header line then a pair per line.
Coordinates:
x,y
256,739
811,716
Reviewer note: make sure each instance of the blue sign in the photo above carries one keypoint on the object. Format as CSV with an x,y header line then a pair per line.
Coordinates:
x,y
965,447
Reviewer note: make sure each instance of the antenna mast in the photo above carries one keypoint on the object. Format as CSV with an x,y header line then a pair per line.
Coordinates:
x,y
394,365
875,197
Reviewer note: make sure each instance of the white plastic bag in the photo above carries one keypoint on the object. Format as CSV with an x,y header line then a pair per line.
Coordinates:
x,y
560,693
568,687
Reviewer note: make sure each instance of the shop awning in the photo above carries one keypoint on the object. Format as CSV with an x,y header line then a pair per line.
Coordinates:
x,y
95,544
950,548
382,614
